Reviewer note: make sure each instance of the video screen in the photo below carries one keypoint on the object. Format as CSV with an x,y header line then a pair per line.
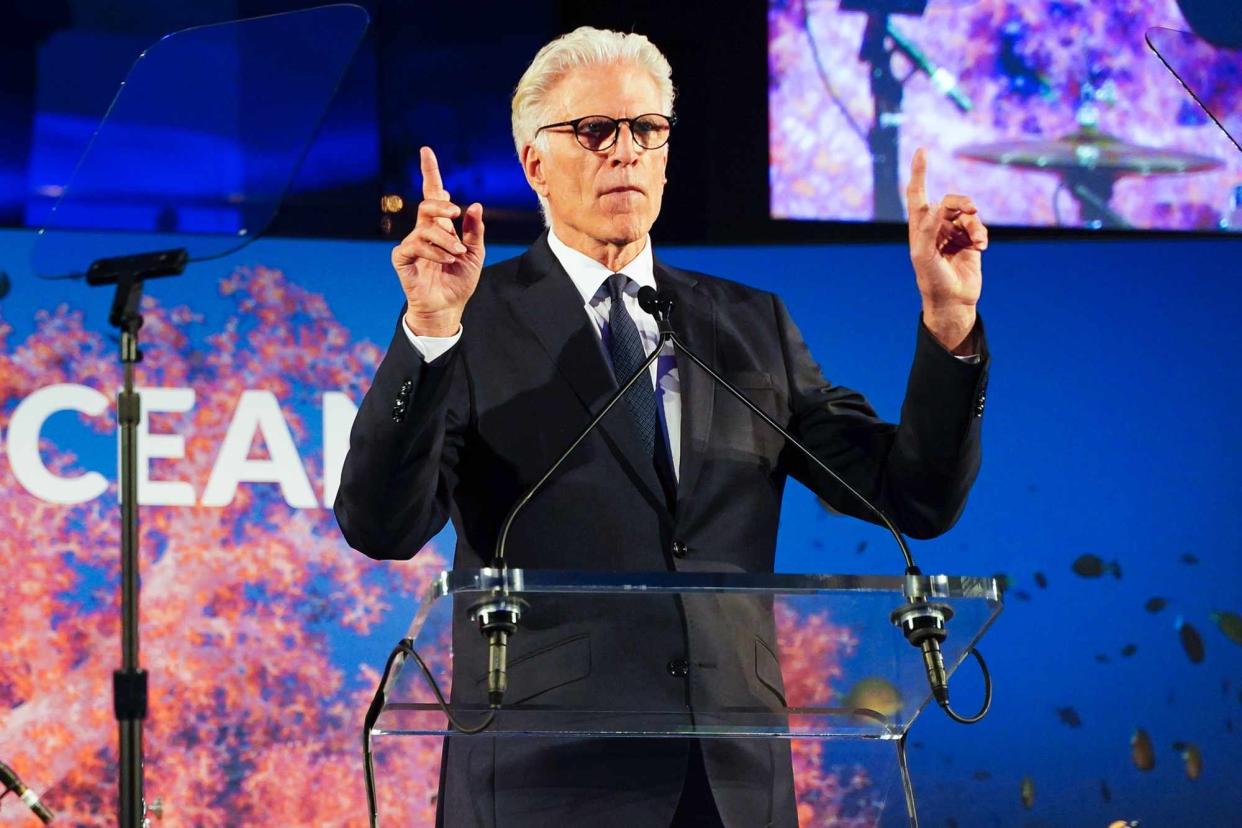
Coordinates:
x,y
1049,114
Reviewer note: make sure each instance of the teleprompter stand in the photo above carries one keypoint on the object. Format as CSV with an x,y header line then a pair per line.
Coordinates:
x,y
129,684
191,161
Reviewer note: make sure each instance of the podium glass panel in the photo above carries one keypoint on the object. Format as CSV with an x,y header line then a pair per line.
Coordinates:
x,y
813,660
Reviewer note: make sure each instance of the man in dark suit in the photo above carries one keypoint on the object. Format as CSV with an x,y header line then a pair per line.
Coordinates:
x,y
490,372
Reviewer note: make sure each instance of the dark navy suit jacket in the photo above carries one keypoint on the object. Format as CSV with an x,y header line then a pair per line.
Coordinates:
x,y
461,438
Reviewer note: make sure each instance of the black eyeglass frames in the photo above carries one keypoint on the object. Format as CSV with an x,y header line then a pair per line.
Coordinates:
x,y
599,132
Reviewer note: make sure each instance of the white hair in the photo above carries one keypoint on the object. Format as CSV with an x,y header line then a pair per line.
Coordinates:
x,y
584,46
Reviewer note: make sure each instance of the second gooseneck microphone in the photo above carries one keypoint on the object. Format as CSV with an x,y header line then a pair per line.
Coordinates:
x,y
921,622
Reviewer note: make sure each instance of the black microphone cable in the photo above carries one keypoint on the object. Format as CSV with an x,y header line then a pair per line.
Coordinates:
x,y
922,622
405,647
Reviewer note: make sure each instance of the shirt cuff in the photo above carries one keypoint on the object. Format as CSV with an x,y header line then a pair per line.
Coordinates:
x,y
431,348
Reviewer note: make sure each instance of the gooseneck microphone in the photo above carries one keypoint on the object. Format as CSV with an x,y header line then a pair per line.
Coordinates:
x,y
12,782
922,622
499,613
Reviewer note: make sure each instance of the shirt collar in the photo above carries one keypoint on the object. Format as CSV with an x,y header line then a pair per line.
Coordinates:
x,y
588,274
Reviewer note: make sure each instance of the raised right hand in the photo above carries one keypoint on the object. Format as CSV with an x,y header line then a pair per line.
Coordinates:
x,y
438,270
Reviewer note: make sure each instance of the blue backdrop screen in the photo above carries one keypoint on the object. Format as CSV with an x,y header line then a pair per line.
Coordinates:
x,y
1110,432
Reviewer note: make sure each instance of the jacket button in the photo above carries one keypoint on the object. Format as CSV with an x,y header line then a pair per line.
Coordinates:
x,y
678,668
680,549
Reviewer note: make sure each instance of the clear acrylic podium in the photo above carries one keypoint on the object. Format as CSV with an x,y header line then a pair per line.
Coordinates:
x,y
843,685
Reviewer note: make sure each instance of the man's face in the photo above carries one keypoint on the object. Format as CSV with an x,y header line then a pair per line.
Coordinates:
x,y
611,197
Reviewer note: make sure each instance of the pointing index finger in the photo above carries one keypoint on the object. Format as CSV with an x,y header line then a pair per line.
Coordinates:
x,y
916,190
433,185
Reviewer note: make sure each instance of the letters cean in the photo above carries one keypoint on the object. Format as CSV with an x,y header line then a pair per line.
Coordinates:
x,y
257,413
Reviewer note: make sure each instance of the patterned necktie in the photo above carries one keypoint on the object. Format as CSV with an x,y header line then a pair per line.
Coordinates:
x,y
625,346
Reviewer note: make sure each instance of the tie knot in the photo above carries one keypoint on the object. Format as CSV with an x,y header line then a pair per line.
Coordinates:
x,y
616,285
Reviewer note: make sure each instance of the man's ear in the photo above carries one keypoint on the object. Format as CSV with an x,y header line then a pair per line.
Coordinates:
x,y
532,165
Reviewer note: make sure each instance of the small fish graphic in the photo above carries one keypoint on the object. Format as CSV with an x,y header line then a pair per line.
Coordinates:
x,y
1230,624
1192,642
1093,566
1069,716
1028,792
874,693
1041,580
1155,604
1141,752
1192,758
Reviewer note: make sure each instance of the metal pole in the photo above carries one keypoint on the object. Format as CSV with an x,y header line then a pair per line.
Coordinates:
x,y
130,682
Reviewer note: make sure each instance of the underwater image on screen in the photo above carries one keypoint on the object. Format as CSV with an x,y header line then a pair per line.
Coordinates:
x,y
1055,113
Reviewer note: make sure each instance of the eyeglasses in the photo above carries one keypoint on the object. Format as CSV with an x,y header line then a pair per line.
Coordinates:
x,y
599,132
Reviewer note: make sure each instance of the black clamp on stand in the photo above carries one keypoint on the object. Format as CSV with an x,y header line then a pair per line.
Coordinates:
x,y
129,684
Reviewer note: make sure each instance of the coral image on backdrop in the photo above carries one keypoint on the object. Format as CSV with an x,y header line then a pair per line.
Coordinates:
x,y
1034,73
251,608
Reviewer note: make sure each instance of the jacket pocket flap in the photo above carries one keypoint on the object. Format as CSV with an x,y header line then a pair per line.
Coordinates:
x,y
768,669
754,380
547,668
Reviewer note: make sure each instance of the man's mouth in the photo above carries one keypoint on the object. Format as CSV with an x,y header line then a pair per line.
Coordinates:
x,y
622,188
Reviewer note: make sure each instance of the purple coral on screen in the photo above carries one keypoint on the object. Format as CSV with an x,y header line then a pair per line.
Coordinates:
x,y
1027,68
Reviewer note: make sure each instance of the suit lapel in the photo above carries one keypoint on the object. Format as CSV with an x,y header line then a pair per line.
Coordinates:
x,y
547,302
694,319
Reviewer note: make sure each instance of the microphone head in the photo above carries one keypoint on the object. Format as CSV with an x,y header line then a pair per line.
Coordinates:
x,y
648,299
659,305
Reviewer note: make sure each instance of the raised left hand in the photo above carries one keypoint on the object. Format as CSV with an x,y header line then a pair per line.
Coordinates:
x,y
947,240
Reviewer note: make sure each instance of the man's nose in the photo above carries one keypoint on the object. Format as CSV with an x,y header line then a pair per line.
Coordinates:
x,y
626,149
